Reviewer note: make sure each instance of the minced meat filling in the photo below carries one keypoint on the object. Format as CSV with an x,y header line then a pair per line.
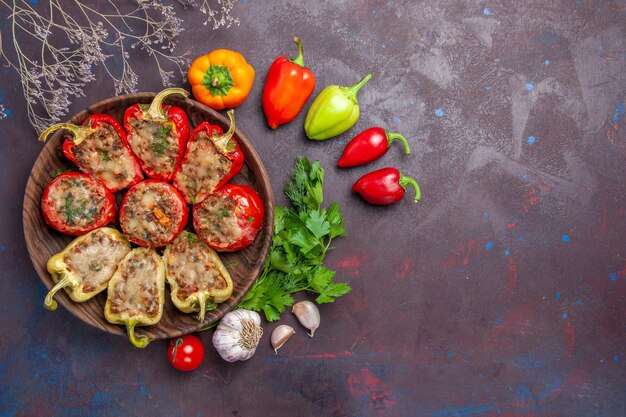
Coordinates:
x,y
151,214
204,168
155,144
137,292
217,221
104,156
95,259
191,265
77,201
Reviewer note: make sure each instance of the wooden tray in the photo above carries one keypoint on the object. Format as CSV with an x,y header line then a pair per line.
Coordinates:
x,y
43,241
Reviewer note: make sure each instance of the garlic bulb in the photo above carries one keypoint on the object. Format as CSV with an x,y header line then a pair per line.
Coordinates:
x,y
238,335
308,315
280,335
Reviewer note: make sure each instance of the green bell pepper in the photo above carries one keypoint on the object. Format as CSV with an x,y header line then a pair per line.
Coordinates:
x,y
334,110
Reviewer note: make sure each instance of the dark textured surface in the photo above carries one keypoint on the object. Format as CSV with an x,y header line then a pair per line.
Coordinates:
x,y
502,293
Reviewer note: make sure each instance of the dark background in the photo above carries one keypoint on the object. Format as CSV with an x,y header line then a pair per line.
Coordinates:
x,y
501,293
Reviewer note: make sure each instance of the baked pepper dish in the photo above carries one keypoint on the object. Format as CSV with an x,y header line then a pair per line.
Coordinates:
x,y
86,265
135,294
182,169
197,277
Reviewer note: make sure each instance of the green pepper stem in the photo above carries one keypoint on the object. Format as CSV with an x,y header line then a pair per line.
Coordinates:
x,y
141,341
353,90
202,302
299,60
79,133
391,136
65,281
404,181
155,111
221,142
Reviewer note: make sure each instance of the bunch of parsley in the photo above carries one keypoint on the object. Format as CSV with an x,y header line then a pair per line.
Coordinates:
x,y
302,236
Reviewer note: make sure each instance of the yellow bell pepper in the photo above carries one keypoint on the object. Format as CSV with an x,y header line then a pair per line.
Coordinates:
x,y
221,79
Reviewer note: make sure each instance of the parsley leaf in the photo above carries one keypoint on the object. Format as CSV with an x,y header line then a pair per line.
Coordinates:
x,y
162,134
302,237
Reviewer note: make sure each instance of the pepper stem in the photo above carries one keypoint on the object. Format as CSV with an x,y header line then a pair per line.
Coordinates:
x,y
141,341
299,60
404,181
391,136
202,302
221,142
155,112
79,133
353,90
65,281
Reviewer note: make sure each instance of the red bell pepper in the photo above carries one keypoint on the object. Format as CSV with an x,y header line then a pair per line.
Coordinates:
x,y
385,186
229,219
75,203
113,163
368,146
288,86
158,134
198,175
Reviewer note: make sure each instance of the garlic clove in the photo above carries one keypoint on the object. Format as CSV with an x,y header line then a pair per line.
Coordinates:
x,y
280,335
308,315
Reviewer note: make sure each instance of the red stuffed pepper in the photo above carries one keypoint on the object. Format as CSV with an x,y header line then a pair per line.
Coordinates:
x,y
158,134
229,219
212,159
153,213
99,147
288,86
75,203
385,186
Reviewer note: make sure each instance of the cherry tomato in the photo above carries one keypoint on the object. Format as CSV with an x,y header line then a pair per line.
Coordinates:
x,y
185,353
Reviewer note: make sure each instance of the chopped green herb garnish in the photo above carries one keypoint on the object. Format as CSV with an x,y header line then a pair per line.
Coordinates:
x,y
162,134
104,156
225,213
98,269
250,219
60,171
192,238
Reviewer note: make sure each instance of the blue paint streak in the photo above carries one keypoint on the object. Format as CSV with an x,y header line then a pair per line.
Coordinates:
x,y
33,1
579,302
619,110
546,62
616,358
507,252
397,120
521,238
527,363
489,245
530,86
7,112
383,46
565,238
486,11
450,354
43,356
485,214
439,113
245,1
523,393
558,295
531,140
613,276
3,248
524,177
564,315
468,410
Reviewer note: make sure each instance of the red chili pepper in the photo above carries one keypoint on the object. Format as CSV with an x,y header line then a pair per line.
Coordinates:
x,y
186,179
161,151
72,215
211,217
102,165
385,186
288,86
368,146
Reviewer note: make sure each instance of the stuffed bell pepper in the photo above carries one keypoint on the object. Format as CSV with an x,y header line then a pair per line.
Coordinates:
x,y
197,277
99,147
158,134
136,295
86,265
75,203
212,159
153,213
229,219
